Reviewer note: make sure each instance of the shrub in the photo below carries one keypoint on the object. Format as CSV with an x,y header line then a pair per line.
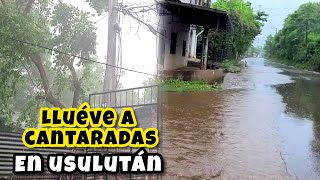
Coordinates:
x,y
175,85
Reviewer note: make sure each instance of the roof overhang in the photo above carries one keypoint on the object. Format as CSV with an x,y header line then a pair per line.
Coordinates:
x,y
196,15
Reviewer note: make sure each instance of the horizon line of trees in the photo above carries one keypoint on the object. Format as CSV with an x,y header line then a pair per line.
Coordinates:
x,y
298,42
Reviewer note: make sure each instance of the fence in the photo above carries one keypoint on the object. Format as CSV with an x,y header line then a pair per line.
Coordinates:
x,y
145,102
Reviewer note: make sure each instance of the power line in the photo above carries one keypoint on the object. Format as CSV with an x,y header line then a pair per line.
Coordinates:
x,y
138,3
69,54
145,24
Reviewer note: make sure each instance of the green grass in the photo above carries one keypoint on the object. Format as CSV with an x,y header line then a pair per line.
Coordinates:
x,y
174,85
233,66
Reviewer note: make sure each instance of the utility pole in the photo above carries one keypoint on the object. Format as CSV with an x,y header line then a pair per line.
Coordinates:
x,y
110,81
204,56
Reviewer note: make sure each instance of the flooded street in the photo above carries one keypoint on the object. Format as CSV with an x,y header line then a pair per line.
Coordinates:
x,y
265,124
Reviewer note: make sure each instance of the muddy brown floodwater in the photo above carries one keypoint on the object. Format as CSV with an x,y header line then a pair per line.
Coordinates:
x,y
265,124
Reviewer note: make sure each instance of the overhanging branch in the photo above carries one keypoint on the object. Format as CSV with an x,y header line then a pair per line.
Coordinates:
x,y
151,28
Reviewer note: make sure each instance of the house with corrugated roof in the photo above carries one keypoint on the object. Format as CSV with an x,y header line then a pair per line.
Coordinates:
x,y
183,46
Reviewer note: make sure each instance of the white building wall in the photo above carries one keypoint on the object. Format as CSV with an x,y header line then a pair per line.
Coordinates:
x,y
170,24
193,43
189,1
185,1
176,60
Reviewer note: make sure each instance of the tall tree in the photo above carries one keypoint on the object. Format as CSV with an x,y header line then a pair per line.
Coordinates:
x,y
43,75
246,25
298,42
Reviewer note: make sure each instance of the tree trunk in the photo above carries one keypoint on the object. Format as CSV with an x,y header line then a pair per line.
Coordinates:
x,y
36,59
76,84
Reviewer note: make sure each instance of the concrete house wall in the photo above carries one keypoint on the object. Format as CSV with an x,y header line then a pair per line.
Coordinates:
x,y
175,60
171,24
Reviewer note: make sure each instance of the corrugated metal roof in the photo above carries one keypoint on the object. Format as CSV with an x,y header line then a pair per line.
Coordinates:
x,y
10,143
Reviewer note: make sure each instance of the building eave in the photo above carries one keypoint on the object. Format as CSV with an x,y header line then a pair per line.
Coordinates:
x,y
197,15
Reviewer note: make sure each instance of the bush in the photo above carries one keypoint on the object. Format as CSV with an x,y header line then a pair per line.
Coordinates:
x,y
233,66
175,85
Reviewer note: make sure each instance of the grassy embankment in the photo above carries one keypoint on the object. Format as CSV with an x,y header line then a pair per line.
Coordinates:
x,y
232,66
309,65
175,85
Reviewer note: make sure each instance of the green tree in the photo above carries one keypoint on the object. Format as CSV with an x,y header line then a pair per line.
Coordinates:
x,y
298,42
246,25
30,76
254,51
268,46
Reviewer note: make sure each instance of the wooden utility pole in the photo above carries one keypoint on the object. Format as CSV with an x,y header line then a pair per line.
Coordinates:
x,y
110,81
204,56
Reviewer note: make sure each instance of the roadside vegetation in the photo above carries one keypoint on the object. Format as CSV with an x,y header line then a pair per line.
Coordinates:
x,y
175,85
232,66
298,43
245,25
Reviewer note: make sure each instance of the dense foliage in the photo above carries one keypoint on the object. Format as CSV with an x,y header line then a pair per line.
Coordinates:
x,y
246,24
33,76
298,43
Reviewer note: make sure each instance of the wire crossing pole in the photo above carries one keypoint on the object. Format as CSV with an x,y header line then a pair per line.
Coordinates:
x,y
110,73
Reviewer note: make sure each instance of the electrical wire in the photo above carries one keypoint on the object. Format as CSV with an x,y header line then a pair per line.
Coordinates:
x,y
76,56
142,23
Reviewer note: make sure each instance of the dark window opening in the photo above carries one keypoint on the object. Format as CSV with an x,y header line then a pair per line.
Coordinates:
x,y
184,48
161,52
173,44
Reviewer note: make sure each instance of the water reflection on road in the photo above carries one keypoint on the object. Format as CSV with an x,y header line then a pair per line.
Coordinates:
x,y
264,125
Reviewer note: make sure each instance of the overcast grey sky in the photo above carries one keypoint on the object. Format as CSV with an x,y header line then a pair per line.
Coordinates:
x,y
138,44
278,10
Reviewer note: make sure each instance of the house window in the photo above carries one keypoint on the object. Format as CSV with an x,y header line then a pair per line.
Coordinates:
x,y
161,48
184,47
173,44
